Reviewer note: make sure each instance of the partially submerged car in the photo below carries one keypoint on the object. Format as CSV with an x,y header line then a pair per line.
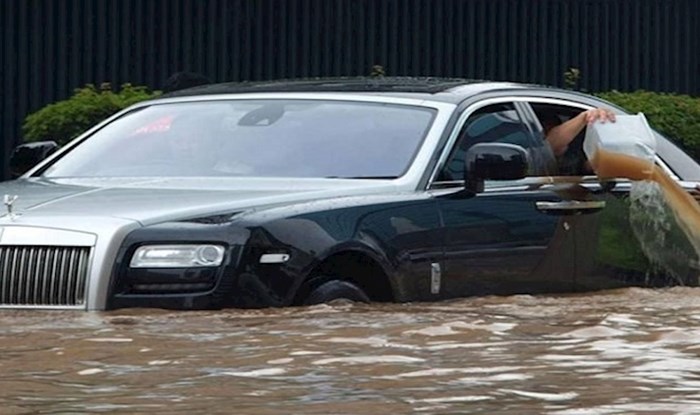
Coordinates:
x,y
302,192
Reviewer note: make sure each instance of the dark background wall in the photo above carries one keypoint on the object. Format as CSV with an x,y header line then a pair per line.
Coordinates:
x,y
50,47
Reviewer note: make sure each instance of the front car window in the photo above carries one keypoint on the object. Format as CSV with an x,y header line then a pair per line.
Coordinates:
x,y
254,138
499,123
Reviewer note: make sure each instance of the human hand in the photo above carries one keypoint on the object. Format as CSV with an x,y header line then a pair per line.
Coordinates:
x,y
599,115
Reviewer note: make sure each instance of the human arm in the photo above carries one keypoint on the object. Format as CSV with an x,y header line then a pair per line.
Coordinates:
x,y
560,136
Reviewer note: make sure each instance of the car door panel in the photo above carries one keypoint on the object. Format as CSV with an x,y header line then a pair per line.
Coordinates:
x,y
499,243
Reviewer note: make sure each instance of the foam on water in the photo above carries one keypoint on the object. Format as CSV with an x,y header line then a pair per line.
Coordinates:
x,y
552,397
272,371
592,332
282,361
452,399
92,371
160,362
110,340
369,360
304,353
456,327
479,345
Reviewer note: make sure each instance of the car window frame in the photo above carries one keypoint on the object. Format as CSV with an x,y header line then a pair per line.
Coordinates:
x,y
524,101
454,135
584,107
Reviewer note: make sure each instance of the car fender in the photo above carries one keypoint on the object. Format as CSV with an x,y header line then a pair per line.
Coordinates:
x,y
305,245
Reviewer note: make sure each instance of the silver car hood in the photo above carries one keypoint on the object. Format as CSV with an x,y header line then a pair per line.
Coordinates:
x,y
150,201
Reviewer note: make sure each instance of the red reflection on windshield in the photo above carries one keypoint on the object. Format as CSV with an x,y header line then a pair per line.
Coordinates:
x,y
158,126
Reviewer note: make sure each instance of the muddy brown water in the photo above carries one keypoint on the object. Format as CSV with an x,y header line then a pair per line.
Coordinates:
x,y
686,210
617,352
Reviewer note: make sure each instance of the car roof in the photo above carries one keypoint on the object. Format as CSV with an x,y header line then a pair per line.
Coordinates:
x,y
452,90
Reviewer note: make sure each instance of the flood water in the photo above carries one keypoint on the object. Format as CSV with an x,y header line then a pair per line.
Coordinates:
x,y
618,352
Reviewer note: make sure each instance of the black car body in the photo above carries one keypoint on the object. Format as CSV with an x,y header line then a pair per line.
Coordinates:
x,y
386,189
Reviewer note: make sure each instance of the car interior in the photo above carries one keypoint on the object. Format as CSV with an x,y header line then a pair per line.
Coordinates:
x,y
573,162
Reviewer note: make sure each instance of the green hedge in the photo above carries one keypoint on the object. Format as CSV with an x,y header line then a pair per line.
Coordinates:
x,y
675,116
65,120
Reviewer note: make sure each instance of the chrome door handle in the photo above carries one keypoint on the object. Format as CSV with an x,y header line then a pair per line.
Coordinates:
x,y
570,207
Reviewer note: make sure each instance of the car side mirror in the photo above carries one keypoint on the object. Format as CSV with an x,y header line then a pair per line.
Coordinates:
x,y
26,156
494,161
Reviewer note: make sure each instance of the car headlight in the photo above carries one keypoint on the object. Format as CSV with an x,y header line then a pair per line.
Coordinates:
x,y
177,256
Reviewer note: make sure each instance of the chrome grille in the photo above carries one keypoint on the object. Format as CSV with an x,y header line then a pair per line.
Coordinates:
x,y
43,275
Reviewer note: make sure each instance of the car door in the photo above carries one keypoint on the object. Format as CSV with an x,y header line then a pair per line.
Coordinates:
x,y
515,236
633,240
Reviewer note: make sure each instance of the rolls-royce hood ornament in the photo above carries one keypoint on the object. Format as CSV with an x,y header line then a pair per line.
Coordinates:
x,y
9,201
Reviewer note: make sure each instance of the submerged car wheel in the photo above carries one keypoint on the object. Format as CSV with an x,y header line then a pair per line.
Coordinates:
x,y
336,290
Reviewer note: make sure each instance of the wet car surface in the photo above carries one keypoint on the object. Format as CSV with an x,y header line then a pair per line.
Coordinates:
x,y
279,194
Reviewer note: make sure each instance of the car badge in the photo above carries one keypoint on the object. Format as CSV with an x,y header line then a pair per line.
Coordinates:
x,y
9,201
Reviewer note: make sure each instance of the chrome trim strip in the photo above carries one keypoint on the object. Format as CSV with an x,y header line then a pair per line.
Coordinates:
x,y
37,282
42,307
274,258
4,255
435,278
36,236
554,101
54,271
70,276
570,205
82,282
13,272
44,272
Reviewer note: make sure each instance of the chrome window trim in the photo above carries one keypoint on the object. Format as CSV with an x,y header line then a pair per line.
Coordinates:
x,y
489,185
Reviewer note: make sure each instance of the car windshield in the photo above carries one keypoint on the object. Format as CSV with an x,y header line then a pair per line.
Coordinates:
x,y
253,138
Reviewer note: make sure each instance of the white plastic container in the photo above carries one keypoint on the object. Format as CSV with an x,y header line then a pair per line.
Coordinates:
x,y
624,148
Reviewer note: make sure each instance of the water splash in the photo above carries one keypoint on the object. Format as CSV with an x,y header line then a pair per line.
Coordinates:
x,y
655,227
